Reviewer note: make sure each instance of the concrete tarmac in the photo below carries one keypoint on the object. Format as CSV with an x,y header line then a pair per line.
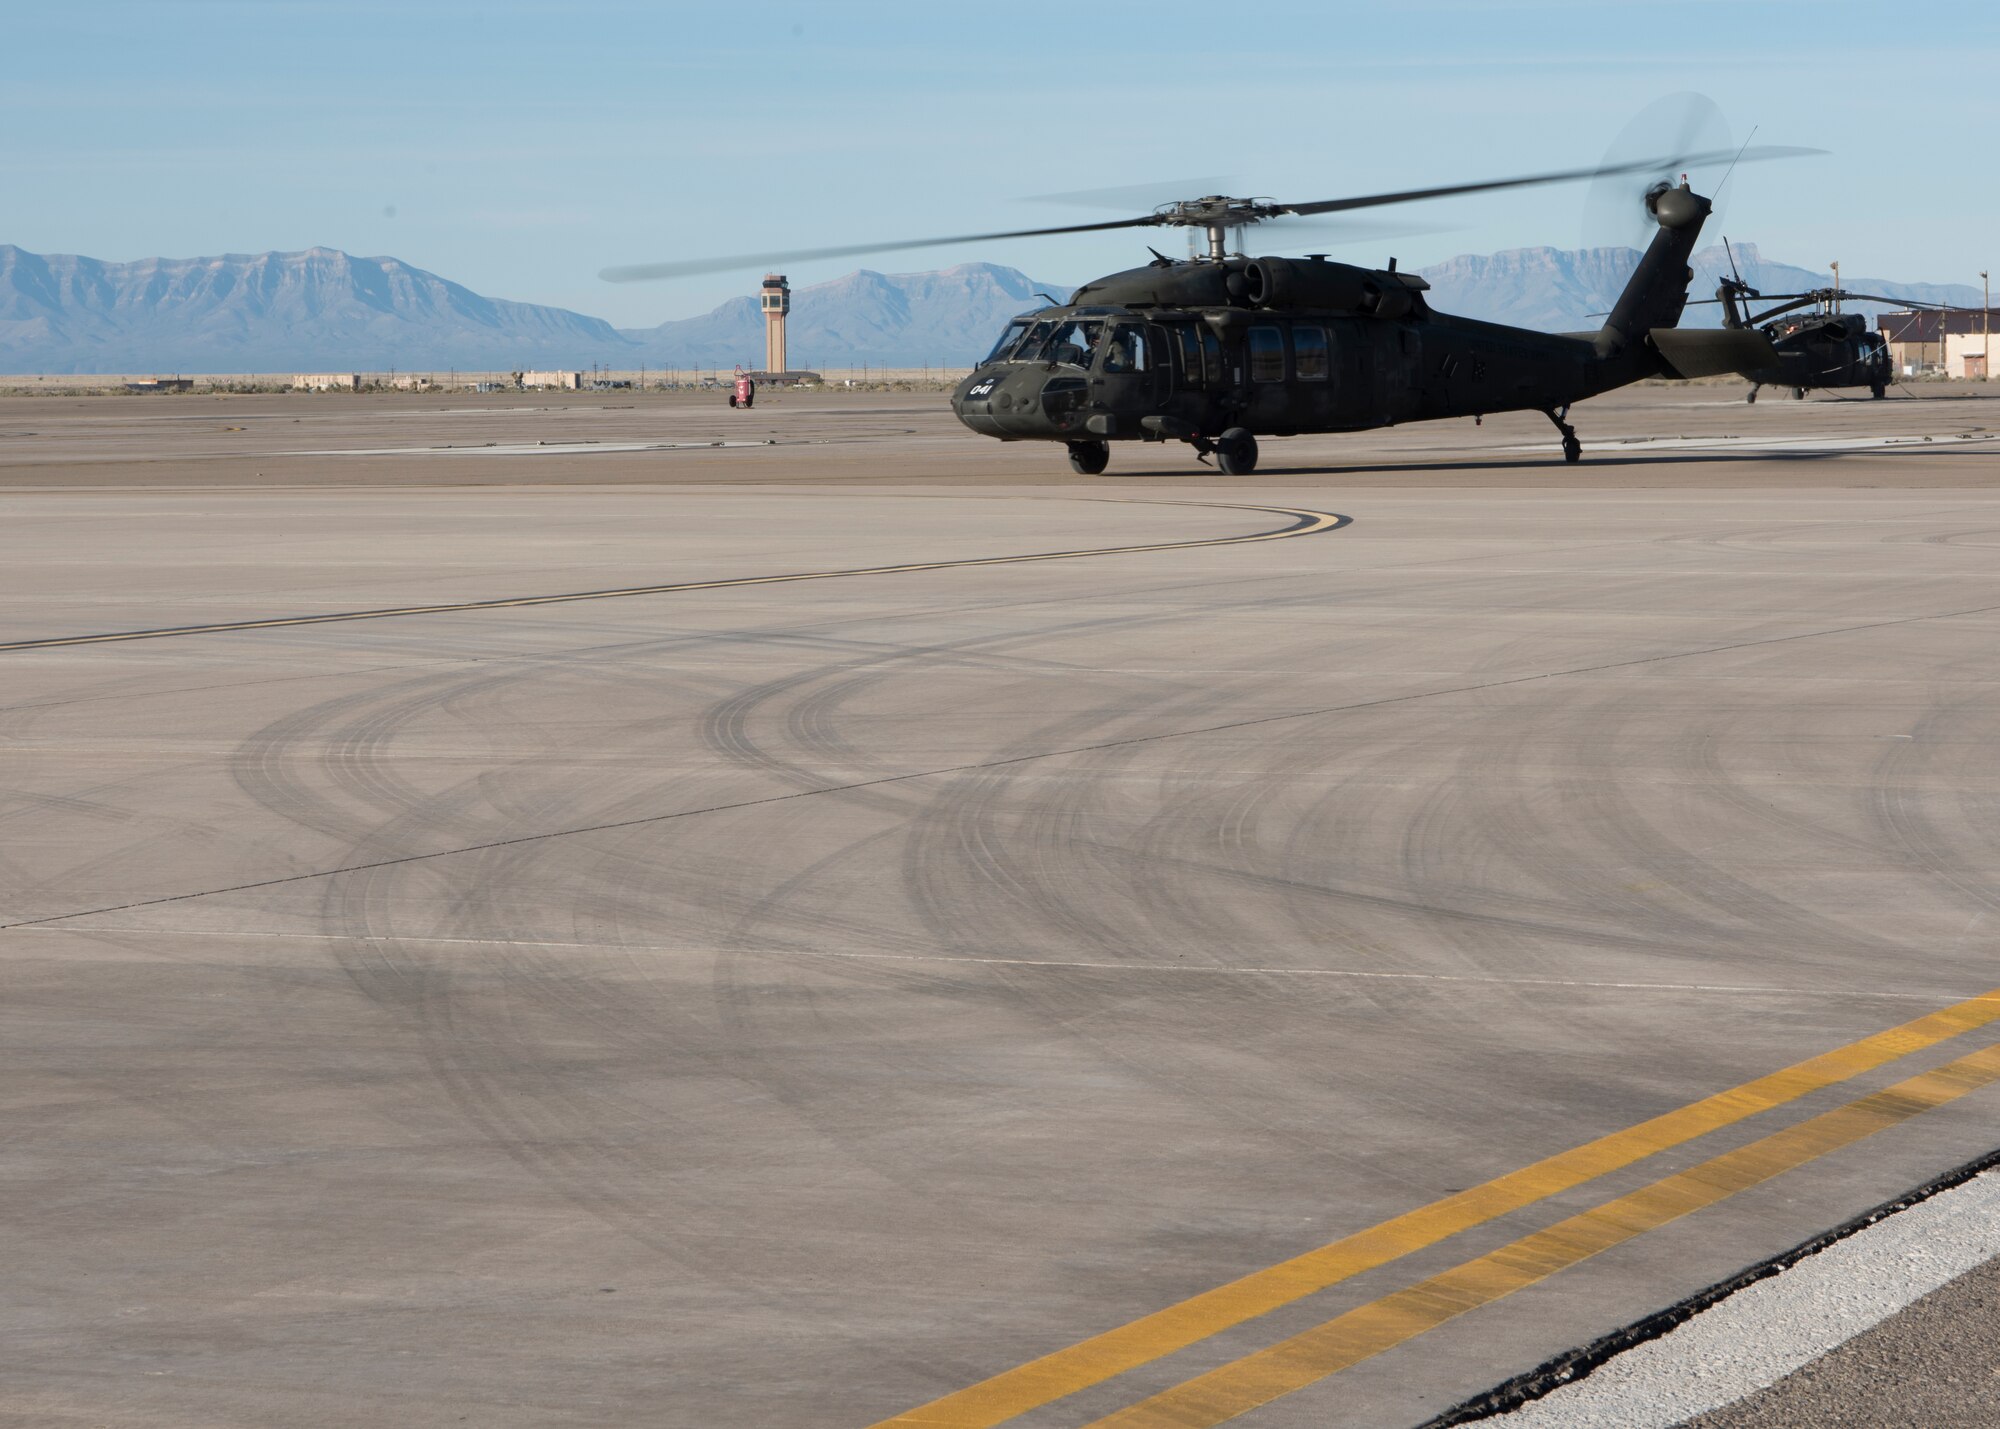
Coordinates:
x,y
794,1003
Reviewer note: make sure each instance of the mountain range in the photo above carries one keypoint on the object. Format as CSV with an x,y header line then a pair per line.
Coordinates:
x,y
1567,290
326,310
269,312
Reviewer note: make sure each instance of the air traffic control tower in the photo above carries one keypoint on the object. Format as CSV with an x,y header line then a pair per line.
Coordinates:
x,y
777,302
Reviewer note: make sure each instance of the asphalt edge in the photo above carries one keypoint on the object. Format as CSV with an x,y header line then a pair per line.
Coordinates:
x,y
1573,1365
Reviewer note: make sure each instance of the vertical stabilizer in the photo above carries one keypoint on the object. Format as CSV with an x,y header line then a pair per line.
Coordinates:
x,y
1657,291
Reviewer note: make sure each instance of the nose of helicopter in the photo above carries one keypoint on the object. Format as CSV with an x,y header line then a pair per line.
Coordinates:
x,y
1020,401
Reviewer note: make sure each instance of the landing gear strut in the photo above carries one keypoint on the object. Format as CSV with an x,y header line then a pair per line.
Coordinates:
x,y
1572,448
1235,451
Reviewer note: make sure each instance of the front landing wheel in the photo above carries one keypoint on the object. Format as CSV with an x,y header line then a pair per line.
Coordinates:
x,y
1089,458
1236,452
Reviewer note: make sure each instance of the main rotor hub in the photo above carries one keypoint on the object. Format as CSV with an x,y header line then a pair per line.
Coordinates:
x,y
1220,214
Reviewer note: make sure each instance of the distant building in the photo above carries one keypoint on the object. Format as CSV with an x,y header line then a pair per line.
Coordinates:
x,y
570,381
326,381
1954,343
413,383
159,384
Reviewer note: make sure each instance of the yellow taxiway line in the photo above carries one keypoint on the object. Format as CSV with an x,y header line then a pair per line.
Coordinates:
x,y
1303,523
1240,1386
1112,1353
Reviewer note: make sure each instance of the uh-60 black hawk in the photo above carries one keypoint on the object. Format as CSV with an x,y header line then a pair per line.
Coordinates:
x,y
1817,344
1221,349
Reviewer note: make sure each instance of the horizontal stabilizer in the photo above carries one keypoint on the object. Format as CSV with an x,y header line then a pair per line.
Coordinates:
x,y
1711,352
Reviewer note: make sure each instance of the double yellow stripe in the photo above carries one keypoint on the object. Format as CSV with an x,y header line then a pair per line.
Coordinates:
x,y
1166,1331
1346,1340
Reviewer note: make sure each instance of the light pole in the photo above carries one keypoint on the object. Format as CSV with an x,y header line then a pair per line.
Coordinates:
x,y
1986,324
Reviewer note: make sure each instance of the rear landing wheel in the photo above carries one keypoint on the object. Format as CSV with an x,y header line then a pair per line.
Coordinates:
x,y
1878,390
1236,452
1088,458
1572,449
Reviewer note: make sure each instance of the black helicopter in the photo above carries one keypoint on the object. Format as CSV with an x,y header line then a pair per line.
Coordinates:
x,y
1821,348
1219,350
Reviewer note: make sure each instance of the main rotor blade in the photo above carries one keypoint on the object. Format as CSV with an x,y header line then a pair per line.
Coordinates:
x,y
1131,196
1560,176
643,272
1847,295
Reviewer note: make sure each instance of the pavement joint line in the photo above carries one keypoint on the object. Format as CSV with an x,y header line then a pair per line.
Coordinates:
x,y
1305,523
1367,1330
977,766
1166,1331
1056,964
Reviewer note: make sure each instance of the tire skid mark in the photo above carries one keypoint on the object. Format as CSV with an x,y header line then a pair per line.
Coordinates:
x,y
1304,523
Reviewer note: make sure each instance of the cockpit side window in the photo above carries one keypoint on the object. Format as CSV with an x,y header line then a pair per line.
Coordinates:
x,y
1128,351
1008,340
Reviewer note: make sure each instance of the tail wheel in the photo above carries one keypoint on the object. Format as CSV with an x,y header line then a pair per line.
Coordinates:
x,y
1236,452
1089,458
1572,449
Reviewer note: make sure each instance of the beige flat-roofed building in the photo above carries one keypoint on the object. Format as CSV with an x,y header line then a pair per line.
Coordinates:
x,y
1953,342
1966,355
326,381
570,380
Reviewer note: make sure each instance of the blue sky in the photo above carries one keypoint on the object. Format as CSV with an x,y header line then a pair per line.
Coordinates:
x,y
519,148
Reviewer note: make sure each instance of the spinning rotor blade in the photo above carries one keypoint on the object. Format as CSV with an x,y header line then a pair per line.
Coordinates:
x,y
1561,176
1847,295
643,272
1131,196
1287,229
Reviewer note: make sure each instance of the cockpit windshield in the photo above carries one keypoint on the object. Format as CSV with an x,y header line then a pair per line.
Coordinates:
x,y
1008,339
1073,342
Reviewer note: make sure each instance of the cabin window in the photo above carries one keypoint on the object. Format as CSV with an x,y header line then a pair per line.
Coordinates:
x,y
1267,354
1128,351
1011,336
1201,355
1309,360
